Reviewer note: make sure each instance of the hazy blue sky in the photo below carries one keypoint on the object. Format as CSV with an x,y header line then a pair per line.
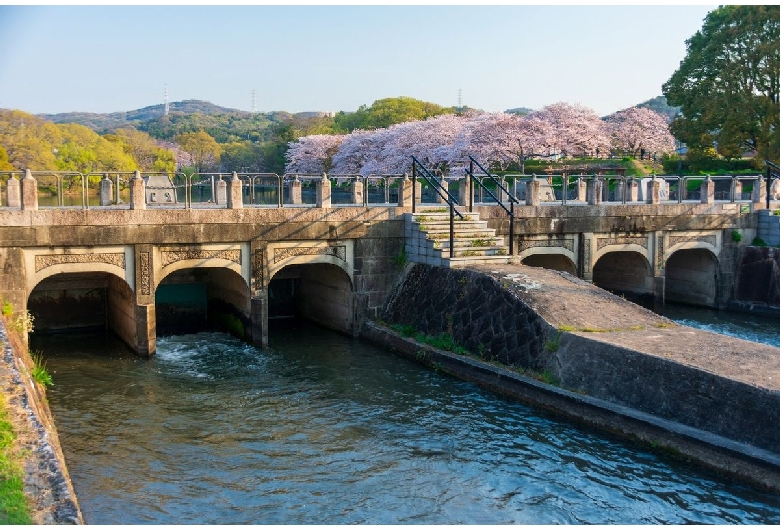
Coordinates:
x,y
300,58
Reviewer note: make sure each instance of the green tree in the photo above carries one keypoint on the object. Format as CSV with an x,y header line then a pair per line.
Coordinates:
x,y
241,157
147,154
386,112
204,151
728,84
5,165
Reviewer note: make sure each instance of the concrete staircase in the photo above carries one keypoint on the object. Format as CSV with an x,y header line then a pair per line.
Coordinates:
x,y
427,234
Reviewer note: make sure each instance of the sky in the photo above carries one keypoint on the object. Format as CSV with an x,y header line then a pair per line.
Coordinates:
x,y
298,58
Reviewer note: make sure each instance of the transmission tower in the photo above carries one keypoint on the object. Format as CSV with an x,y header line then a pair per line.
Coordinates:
x,y
254,105
167,106
460,98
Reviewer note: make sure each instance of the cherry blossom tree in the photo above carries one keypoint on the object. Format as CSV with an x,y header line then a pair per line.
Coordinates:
x,y
499,139
575,130
356,150
637,130
312,154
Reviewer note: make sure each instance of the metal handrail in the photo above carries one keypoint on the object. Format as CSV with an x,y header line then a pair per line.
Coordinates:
x,y
512,199
431,179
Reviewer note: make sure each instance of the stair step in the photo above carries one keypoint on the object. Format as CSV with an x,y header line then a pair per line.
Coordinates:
x,y
468,260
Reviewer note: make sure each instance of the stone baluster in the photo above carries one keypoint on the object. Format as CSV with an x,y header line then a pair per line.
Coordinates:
x,y
13,193
296,190
445,186
221,191
595,187
29,191
106,190
654,191
234,193
632,190
357,191
323,192
532,191
708,191
405,192
759,191
137,192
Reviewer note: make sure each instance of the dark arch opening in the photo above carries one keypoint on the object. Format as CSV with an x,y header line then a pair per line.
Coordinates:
x,y
627,274
692,277
556,262
319,292
205,298
77,302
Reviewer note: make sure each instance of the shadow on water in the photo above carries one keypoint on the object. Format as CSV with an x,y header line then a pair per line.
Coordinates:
x,y
323,429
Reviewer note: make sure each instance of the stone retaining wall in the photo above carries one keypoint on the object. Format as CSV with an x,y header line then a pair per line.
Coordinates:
x,y
47,483
488,320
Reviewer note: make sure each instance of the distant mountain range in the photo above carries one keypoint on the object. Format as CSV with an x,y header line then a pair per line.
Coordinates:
x,y
107,122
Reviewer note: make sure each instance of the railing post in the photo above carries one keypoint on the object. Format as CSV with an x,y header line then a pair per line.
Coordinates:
x,y
106,190
632,190
323,192
595,187
296,190
137,192
29,191
757,191
768,183
405,192
13,193
654,191
234,196
707,190
532,191
357,191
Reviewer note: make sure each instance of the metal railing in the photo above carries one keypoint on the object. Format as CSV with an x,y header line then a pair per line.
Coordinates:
x,y
430,178
499,186
73,190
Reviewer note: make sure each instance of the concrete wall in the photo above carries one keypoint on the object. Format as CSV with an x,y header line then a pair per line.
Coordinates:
x,y
326,297
121,310
486,319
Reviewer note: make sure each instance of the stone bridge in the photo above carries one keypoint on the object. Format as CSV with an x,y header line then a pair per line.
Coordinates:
x,y
136,267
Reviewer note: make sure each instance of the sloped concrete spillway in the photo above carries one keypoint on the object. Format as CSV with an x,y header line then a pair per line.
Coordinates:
x,y
613,364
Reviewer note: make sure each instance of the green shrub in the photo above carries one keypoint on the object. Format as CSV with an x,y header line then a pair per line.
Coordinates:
x,y
7,309
758,242
736,237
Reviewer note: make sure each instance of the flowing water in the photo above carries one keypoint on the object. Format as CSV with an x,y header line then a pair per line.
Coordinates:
x,y
324,429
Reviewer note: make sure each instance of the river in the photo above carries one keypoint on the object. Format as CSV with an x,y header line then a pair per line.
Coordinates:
x,y
323,429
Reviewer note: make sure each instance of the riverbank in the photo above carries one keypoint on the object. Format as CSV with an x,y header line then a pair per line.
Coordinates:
x,y
47,484
615,365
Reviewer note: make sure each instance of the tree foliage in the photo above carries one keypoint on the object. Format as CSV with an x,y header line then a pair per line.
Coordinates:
x,y
497,140
203,150
728,84
386,112
32,143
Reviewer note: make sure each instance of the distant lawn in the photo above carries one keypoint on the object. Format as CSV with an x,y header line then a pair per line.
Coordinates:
x,y
13,503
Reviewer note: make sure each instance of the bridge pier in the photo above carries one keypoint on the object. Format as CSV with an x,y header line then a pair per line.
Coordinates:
x,y
659,290
260,319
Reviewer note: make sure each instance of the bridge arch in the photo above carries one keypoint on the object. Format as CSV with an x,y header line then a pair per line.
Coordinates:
x,y
80,289
550,259
625,272
692,277
313,280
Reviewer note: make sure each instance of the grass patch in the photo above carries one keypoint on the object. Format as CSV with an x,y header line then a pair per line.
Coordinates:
x,y
39,372
407,330
13,503
8,309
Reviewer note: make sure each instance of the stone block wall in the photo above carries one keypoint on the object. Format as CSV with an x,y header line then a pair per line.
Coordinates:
x,y
474,309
